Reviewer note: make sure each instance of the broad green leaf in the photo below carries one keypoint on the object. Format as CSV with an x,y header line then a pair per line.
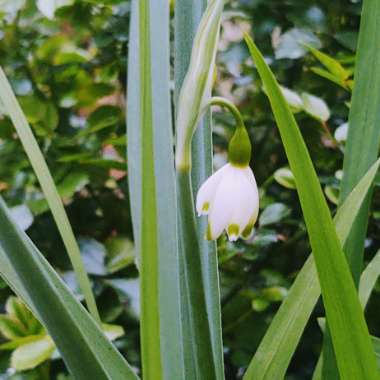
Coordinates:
x,y
276,349
152,189
350,335
315,107
285,177
362,144
187,18
274,213
46,181
68,323
31,354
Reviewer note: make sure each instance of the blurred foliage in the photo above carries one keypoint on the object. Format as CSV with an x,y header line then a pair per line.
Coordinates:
x,y
69,73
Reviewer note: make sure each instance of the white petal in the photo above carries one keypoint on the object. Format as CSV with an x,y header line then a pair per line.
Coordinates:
x,y
223,203
245,207
207,191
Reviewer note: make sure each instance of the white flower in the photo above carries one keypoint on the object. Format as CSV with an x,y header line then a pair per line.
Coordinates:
x,y
230,198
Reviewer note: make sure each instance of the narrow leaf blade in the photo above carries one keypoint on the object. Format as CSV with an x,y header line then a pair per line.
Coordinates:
x,y
349,330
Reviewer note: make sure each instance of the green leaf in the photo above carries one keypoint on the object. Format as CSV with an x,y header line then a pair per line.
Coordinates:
x,y
19,311
17,342
350,335
48,187
367,282
30,355
327,75
315,107
113,332
332,65
369,278
68,323
103,117
11,328
276,349
285,177
274,213
187,18
362,144
152,189
121,253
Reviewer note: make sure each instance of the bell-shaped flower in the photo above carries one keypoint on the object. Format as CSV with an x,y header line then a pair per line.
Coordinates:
x,y
230,198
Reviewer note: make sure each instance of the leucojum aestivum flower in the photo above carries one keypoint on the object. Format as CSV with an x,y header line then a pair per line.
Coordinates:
x,y
230,196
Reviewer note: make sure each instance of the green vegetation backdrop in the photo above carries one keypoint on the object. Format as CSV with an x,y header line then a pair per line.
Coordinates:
x,y
69,73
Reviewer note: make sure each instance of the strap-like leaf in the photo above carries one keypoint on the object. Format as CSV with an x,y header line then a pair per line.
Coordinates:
x,y
352,343
276,349
68,323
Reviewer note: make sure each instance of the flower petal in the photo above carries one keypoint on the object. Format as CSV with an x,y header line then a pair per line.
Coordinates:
x,y
223,203
207,191
246,206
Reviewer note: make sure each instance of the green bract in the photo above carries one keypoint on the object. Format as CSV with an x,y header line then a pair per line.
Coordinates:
x,y
196,88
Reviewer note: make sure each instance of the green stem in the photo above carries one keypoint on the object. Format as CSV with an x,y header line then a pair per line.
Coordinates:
x,y
199,324
225,103
49,189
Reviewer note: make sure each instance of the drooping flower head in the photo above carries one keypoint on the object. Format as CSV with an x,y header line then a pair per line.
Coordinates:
x,y
230,199
230,196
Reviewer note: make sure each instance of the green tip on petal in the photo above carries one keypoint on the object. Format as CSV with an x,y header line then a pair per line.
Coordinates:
x,y
248,231
233,231
205,206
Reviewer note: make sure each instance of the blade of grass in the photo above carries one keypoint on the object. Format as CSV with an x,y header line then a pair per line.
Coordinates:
x,y
362,144
156,147
350,335
276,349
49,189
187,18
85,349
